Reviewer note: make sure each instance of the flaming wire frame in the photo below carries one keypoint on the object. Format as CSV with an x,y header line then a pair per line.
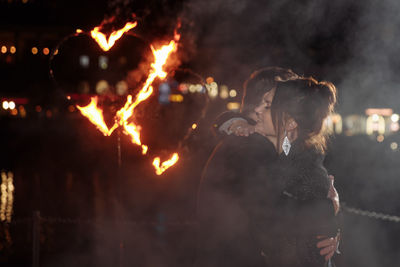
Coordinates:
x,y
123,116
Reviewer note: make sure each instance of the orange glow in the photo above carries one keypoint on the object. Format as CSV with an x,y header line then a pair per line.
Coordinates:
x,y
209,80
13,50
100,38
34,50
166,164
79,31
194,126
95,115
379,111
125,116
46,51
3,49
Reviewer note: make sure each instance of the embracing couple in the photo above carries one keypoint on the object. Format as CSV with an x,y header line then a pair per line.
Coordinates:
x,y
265,198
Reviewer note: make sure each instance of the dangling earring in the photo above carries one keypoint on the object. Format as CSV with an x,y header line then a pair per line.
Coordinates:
x,y
286,145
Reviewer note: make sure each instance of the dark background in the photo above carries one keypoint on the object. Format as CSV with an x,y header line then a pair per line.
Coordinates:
x,y
67,170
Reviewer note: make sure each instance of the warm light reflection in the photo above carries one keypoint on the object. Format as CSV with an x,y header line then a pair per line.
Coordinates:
x,y
13,50
46,51
7,196
105,44
160,168
3,49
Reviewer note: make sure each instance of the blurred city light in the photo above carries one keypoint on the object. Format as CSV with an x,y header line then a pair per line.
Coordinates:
x,y
13,50
38,109
3,49
11,105
176,98
394,146
183,88
379,111
375,123
209,80
121,88
103,62
102,87
46,51
84,61
212,89
194,126
233,106
192,88
394,126
380,138
5,105
395,117
223,93
232,93
22,111
164,91
34,50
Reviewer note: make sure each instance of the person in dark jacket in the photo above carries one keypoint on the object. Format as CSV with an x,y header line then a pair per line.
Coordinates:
x,y
246,204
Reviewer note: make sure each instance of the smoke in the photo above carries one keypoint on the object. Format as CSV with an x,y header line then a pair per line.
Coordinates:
x,y
354,44
351,43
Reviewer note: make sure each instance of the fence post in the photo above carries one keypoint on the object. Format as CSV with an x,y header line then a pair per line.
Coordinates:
x,y
36,238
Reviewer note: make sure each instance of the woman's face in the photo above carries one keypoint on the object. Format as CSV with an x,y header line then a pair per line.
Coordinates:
x,y
264,124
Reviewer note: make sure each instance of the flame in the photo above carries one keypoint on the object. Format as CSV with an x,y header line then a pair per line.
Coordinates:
x,y
95,115
144,149
125,115
160,58
100,38
166,164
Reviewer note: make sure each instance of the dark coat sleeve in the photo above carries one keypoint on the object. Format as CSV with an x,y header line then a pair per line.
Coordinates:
x,y
225,203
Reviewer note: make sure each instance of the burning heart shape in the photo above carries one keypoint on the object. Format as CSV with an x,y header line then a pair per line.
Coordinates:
x,y
123,117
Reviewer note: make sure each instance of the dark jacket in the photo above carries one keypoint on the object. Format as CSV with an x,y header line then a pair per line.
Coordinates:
x,y
231,189
301,209
256,209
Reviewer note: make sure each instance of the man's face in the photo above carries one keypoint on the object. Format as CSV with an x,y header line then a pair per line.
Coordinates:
x,y
263,117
